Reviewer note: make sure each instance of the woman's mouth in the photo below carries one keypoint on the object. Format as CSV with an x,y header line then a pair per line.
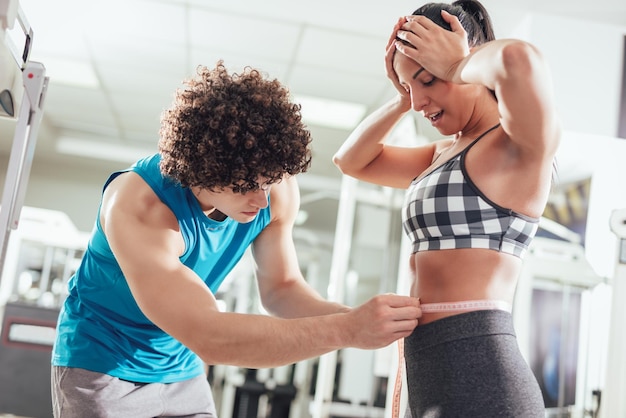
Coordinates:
x,y
434,117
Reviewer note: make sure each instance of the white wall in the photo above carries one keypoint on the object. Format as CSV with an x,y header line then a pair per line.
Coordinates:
x,y
586,63
586,60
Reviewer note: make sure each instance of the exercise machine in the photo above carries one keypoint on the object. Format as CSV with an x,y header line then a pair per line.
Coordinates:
x,y
35,85
613,399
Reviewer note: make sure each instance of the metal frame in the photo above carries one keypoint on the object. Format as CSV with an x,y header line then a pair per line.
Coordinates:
x,y
24,139
614,402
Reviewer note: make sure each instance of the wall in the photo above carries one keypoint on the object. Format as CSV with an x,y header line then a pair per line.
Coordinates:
x,y
586,63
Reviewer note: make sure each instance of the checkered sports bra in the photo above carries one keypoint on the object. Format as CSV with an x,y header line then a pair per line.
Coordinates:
x,y
445,210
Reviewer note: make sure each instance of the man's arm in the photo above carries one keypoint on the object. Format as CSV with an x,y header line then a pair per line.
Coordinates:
x,y
143,235
283,290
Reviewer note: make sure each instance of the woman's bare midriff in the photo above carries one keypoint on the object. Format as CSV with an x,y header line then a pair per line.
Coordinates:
x,y
460,275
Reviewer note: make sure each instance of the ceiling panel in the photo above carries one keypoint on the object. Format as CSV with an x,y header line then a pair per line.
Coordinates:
x,y
140,51
140,55
369,18
67,104
356,88
244,35
55,28
126,20
234,62
342,51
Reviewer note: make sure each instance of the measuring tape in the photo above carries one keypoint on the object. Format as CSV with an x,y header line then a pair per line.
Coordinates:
x,y
466,305
397,387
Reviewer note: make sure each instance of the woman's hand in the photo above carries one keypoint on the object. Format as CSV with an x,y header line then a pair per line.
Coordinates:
x,y
390,51
438,50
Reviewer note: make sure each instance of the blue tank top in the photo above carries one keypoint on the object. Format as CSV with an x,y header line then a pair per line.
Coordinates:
x,y
101,327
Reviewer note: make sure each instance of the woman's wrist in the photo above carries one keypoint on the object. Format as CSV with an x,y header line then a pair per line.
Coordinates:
x,y
401,103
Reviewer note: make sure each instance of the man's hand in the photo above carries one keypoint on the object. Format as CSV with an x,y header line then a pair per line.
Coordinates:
x,y
382,320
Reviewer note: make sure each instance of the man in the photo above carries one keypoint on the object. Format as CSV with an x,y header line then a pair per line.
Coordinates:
x,y
141,320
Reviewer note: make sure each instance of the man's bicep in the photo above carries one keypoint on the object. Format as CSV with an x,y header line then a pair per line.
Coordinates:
x,y
142,232
275,258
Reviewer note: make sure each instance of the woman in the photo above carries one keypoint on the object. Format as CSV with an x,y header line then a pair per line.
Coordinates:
x,y
472,205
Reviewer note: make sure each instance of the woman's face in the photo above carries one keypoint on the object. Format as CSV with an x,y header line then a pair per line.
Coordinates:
x,y
446,105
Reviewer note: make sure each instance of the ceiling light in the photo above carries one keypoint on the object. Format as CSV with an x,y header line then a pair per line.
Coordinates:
x,y
330,113
101,150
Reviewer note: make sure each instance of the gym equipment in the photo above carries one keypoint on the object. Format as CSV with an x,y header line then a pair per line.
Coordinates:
x,y
35,82
613,400
28,333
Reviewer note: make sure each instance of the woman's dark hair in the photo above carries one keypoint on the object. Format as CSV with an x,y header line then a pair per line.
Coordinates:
x,y
472,15
227,130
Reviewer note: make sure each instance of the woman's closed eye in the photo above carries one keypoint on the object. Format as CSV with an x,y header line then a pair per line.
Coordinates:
x,y
430,82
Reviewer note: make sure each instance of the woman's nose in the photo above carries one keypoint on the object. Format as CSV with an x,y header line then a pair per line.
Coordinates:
x,y
419,100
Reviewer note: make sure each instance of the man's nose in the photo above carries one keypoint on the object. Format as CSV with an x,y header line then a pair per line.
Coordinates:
x,y
260,198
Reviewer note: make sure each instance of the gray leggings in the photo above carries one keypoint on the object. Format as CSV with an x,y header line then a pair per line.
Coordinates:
x,y
470,366
79,393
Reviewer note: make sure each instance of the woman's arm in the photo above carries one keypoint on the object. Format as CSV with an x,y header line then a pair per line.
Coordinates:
x,y
365,156
513,69
518,74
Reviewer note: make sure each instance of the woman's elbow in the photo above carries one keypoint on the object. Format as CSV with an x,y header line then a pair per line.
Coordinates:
x,y
521,58
341,163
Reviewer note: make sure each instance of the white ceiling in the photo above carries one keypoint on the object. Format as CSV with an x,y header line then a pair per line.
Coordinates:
x,y
140,50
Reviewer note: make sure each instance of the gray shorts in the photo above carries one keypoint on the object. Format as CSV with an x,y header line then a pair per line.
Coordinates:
x,y
80,393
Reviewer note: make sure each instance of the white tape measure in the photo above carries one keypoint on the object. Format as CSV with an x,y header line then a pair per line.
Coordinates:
x,y
466,305
397,387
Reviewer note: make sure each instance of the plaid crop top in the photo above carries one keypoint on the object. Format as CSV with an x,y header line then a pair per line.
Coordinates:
x,y
445,210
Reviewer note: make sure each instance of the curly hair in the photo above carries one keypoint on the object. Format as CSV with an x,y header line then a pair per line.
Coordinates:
x,y
227,130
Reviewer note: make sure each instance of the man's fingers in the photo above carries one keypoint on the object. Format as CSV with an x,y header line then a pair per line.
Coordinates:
x,y
407,312
404,328
396,301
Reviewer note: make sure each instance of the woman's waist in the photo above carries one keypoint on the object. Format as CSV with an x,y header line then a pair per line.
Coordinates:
x,y
432,311
464,276
464,293
466,306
